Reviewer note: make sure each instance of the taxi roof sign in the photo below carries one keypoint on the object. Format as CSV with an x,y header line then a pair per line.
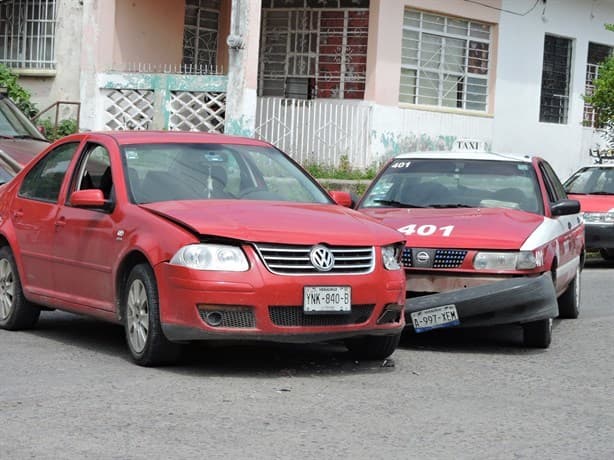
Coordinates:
x,y
602,156
470,145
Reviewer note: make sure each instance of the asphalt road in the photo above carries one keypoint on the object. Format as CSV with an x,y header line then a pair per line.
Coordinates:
x,y
69,390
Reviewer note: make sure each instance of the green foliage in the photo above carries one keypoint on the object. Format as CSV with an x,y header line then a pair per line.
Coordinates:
x,y
64,128
603,95
16,92
343,171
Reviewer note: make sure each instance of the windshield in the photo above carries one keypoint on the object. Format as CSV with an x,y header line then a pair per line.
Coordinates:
x,y
596,180
165,172
456,183
13,123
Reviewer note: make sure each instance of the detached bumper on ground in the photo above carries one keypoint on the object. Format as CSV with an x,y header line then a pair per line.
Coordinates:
x,y
515,300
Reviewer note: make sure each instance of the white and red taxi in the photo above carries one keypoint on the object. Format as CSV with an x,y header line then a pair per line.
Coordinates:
x,y
593,187
491,239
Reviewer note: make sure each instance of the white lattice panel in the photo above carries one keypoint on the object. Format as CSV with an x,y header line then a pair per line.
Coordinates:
x,y
129,109
197,111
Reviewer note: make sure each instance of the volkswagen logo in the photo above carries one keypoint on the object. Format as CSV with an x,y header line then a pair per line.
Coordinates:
x,y
423,257
321,258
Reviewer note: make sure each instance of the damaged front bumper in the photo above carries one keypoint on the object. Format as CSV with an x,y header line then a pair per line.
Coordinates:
x,y
510,301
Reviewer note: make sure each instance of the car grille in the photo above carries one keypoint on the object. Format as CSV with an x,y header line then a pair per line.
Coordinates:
x,y
235,318
443,258
294,260
294,316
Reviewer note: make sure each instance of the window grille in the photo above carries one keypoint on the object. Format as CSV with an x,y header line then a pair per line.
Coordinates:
x,y
27,33
596,55
200,33
445,61
554,105
314,49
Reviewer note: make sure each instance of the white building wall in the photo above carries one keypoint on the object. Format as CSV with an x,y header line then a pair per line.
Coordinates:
x,y
516,125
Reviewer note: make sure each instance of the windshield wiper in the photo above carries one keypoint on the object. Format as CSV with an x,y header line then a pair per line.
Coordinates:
x,y
26,136
450,205
601,193
398,204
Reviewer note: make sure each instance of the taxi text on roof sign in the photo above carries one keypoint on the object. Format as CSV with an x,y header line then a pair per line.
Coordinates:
x,y
602,156
469,145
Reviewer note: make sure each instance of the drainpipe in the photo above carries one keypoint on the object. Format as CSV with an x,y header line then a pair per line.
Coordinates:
x,y
235,39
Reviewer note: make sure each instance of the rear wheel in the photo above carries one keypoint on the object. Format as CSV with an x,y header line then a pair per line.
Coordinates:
x,y
146,341
16,312
372,347
607,254
538,334
569,302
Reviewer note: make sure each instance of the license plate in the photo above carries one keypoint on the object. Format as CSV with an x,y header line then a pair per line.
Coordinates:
x,y
327,299
434,318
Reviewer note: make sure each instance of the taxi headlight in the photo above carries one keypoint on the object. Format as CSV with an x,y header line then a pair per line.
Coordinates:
x,y
599,217
211,257
391,256
524,260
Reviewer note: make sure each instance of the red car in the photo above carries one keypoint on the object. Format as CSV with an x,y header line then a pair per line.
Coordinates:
x,y
491,239
593,187
191,236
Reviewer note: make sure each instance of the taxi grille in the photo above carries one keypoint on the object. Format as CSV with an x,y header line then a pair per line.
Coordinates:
x,y
443,258
294,260
294,316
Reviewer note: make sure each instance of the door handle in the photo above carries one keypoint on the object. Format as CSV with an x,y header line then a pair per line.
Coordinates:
x,y
17,214
60,223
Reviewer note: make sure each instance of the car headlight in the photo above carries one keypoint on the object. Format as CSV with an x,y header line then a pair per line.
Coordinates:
x,y
523,260
599,217
211,257
391,256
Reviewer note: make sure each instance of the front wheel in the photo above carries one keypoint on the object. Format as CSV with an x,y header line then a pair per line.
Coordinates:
x,y
16,312
538,334
146,341
372,347
569,302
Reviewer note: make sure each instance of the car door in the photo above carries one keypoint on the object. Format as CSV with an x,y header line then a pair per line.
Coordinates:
x,y
86,243
569,238
33,214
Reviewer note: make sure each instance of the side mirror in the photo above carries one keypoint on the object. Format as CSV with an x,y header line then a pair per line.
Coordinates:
x,y
89,198
342,198
565,207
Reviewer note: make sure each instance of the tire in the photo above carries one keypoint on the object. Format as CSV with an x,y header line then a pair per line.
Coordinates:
x,y
146,341
538,334
569,301
372,347
16,312
607,254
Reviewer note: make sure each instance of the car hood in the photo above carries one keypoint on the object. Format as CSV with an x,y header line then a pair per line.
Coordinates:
x,y
22,150
267,221
594,203
475,228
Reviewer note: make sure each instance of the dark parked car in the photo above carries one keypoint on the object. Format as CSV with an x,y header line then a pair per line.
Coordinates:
x,y
20,140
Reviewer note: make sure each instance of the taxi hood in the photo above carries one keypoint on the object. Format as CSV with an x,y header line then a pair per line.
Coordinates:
x,y
280,222
460,228
594,203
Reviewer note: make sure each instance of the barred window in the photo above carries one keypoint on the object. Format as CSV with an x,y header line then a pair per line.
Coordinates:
x,y
27,33
596,55
312,48
200,35
445,61
554,104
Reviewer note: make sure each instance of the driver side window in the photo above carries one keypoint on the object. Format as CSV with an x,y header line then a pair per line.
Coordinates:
x,y
94,171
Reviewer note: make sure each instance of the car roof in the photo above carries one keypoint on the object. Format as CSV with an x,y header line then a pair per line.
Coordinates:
x,y
466,149
464,155
145,137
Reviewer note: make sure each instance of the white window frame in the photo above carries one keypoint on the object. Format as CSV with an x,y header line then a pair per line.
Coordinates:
x,y
27,34
474,69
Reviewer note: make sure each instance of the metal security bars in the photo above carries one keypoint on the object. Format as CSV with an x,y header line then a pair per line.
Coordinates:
x,y
554,105
313,49
596,55
27,33
445,61
200,33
